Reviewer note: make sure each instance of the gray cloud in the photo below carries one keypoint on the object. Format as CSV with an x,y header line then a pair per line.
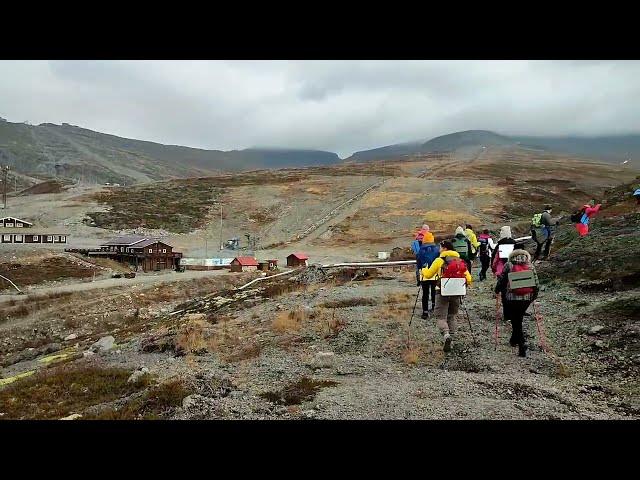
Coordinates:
x,y
342,106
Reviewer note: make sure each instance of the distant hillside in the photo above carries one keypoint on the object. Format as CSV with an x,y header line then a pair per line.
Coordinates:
x,y
606,148
470,138
609,148
390,151
71,152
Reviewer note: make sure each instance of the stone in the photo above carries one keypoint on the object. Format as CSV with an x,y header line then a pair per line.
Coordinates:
x,y
104,344
137,375
73,336
323,360
599,344
88,353
191,401
595,329
73,416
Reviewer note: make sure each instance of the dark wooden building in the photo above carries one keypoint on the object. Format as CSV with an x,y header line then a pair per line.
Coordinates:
x,y
297,259
39,236
142,253
13,222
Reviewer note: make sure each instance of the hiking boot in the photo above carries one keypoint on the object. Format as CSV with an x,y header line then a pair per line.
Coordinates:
x,y
425,315
522,350
447,342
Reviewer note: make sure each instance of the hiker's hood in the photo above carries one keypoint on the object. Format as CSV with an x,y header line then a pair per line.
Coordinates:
x,y
428,237
459,231
520,256
505,232
449,253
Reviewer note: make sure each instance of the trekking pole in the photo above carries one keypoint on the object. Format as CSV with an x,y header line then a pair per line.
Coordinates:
x,y
473,335
541,336
414,306
497,319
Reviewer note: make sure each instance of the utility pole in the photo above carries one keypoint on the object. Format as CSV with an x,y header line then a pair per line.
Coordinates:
x,y
5,171
221,245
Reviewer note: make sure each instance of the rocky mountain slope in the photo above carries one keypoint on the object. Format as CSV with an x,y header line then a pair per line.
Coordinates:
x,y
605,148
72,152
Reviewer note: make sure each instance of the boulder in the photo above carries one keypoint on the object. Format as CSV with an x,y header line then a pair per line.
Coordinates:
x,y
73,336
137,375
73,416
323,360
596,329
104,344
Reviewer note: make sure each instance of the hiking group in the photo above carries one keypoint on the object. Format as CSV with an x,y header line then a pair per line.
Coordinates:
x,y
443,272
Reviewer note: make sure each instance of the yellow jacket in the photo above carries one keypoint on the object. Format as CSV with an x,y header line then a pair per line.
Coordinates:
x,y
472,238
435,270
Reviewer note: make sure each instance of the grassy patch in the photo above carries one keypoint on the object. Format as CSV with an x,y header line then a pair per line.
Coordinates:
x,y
349,302
44,270
288,321
151,405
627,308
295,393
190,201
31,304
56,393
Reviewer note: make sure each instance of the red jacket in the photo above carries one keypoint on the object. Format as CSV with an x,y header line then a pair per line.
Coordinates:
x,y
591,211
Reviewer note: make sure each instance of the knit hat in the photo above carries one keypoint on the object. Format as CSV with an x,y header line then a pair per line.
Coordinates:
x,y
505,232
425,227
428,238
520,256
460,231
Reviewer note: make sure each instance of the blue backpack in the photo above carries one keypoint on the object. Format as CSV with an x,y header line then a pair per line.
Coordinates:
x,y
424,258
427,254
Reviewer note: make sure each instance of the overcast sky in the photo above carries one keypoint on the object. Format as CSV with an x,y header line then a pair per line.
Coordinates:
x,y
340,106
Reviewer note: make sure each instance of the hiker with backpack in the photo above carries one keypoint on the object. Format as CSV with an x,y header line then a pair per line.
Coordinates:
x,y
542,231
485,247
517,286
473,240
426,255
506,244
462,245
452,276
582,217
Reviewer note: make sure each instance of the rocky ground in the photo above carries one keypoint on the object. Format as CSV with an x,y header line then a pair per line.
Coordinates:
x,y
332,345
341,349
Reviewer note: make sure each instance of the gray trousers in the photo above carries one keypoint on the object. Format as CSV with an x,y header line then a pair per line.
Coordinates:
x,y
445,313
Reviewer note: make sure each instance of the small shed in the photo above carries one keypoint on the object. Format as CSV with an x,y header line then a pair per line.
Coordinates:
x,y
297,259
266,265
244,264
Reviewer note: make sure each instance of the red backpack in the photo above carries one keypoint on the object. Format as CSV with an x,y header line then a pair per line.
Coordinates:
x,y
519,267
454,267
